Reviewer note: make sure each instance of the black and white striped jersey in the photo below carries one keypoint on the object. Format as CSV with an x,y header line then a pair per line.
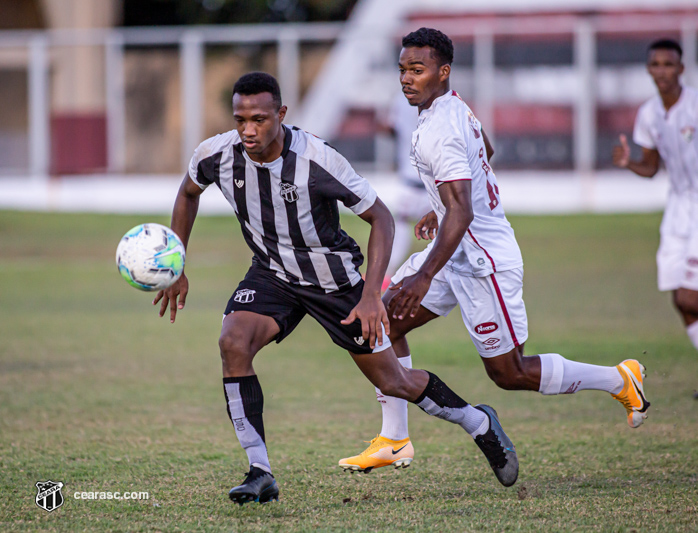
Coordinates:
x,y
288,208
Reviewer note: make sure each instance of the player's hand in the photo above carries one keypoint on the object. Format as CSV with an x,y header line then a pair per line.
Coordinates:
x,y
371,312
427,227
410,293
621,154
178,290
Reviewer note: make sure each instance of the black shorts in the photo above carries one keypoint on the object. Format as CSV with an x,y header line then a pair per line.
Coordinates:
x,y
263,293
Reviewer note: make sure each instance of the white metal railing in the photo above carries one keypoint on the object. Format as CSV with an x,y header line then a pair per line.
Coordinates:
x,y
191,41
330,94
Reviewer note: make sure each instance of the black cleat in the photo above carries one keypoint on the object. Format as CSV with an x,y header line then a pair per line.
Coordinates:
x,y
498,449
259,486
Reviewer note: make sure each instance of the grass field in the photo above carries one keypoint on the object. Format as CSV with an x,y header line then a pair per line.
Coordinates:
x,y
99,393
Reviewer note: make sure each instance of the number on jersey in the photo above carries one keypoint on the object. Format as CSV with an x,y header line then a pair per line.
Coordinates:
x,y
493,192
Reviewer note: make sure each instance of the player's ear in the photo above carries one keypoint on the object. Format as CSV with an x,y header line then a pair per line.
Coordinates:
x,y
282,113
444,72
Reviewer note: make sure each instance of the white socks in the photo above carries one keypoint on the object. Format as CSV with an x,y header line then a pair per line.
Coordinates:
x,y
692,331
394,411
561,376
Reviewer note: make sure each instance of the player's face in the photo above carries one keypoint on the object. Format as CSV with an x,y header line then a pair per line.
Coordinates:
x,y
665,67
421,76
258,121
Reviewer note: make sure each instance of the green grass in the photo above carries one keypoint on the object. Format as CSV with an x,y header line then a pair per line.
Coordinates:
x,y
98,392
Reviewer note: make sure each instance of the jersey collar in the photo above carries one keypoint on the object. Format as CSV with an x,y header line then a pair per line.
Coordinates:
x,y
430,110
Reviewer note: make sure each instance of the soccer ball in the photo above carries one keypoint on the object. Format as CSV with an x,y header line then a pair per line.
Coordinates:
x,y
150,257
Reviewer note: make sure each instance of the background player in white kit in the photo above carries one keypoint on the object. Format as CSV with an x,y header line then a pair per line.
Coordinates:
x,y
474,262
665,127
412,202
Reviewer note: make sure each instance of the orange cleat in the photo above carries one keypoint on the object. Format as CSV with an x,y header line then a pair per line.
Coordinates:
x,y
381,452
632,396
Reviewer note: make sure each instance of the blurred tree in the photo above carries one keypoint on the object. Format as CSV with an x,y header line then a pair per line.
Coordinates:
x,y
172,12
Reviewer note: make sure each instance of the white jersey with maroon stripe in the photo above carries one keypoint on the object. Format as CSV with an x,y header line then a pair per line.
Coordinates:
x,y
448,145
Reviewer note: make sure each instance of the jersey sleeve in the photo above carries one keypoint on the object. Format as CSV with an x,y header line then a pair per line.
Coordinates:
x,y
336,179
199,172
642,134
447,152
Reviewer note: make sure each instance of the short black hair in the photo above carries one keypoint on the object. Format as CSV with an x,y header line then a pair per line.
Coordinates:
x,y
256,83
665,44
434,39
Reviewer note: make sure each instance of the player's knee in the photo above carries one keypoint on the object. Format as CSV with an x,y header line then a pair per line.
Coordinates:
x,y
393,386
506,378
397,331
234,347
686,301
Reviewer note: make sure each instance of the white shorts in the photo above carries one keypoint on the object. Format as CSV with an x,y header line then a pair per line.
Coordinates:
x,y
677,257
492,307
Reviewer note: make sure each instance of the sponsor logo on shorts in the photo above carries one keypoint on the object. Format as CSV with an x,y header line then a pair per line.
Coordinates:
x,y
486,327
289,192
491,341
359,340
692,261
480,261
244,296
239,183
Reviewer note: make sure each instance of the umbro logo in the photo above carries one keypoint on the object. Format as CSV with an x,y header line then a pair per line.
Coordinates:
x,y
359,340
239,183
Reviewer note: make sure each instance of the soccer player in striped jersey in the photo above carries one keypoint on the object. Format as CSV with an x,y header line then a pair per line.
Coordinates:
x,y
666,128
475,260
284,185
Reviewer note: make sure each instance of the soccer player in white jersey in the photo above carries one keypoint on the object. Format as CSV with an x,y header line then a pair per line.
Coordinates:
x,y
665,128
474,262
283,185
411,202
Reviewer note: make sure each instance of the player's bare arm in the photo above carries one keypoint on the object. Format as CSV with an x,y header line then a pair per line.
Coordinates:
x,y
647,167
370,309
183,215
456,197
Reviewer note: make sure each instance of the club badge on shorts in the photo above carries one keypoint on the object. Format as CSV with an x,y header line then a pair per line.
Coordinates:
x,y
49,497
244,296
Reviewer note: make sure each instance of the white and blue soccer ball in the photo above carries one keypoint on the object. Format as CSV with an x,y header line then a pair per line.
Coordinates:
x,y
150,257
